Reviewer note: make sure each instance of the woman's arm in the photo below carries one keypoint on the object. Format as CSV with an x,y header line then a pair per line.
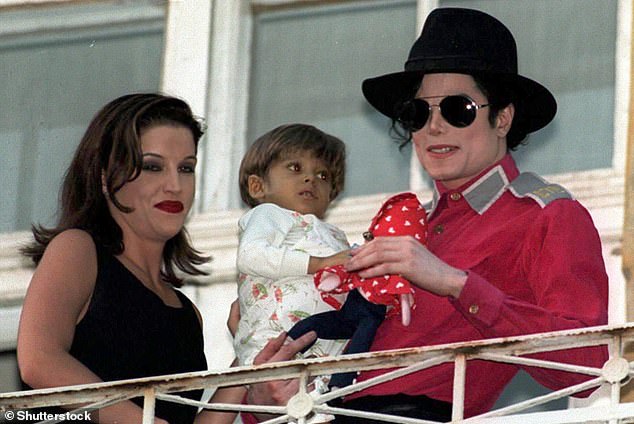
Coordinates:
x,y
56,300
232,395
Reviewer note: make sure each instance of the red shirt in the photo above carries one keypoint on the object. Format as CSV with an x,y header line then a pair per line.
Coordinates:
x,y
534,265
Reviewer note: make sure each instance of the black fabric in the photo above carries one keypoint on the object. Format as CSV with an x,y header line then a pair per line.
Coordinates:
x,y
357,320
464,41
420,407
128,332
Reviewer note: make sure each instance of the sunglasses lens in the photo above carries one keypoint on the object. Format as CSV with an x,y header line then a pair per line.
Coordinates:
x,y
413,115
459,111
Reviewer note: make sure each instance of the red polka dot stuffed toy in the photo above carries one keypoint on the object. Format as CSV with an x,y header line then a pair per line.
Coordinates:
x,y
369,299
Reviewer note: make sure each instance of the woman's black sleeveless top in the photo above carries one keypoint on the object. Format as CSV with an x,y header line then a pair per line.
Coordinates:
x,y
128,332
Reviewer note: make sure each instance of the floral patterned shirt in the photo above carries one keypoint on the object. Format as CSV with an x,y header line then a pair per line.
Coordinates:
x,y
274,287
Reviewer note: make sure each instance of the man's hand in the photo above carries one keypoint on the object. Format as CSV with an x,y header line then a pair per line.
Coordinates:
x,y
406,256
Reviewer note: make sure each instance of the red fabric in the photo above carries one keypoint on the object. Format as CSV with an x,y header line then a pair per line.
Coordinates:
x,y
400,215
530,270
247,417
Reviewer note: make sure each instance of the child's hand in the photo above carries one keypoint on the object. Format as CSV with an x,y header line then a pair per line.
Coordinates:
x,y
315,263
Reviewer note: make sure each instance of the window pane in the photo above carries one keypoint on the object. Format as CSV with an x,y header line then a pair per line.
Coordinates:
x,y
569,46
308,65
53,83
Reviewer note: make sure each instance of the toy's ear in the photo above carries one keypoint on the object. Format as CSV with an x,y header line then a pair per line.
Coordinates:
x,y
255,184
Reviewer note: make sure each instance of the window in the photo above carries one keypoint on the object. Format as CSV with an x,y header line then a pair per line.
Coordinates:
x,y
569,46
60,65
307,66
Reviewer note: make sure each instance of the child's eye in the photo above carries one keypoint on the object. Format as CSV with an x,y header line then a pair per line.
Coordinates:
x,y
323,175
151,166
294,167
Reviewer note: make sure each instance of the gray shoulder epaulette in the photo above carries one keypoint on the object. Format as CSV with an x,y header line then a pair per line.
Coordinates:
x,y
531,185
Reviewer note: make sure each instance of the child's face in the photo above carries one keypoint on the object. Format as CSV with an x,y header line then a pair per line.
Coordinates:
x,y
298,182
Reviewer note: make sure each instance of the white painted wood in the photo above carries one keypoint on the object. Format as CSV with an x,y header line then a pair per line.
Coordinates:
x,y
186,52
228,103
88,19
185,69
623,64
510,349
13,3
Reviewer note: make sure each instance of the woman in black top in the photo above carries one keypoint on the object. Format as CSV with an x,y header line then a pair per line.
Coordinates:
x,y
102,303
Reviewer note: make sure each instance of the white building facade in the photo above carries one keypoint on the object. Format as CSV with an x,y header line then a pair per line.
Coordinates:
x,y
247,66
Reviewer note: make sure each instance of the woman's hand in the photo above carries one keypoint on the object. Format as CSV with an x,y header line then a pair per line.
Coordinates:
x,y
234,317
277,392
407,257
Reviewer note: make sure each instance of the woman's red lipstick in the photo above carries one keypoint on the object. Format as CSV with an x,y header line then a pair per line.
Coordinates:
x,y
170,206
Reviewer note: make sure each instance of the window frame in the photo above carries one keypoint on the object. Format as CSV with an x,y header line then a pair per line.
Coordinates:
x,y
229,73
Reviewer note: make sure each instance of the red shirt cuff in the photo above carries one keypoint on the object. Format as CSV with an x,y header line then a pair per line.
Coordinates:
x,y
479,300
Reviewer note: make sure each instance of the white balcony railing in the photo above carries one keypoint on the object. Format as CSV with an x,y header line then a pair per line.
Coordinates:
x,y
614,373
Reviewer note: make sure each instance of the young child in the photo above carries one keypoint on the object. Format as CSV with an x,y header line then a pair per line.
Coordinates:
x,y
289,177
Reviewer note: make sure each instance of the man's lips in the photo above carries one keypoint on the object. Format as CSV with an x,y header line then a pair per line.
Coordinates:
x,y
170,206
441,149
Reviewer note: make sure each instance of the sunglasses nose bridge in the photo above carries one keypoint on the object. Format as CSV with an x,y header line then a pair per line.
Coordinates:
x,y
433,116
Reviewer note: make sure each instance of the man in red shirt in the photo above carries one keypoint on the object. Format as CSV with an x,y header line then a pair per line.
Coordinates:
x,y
507,252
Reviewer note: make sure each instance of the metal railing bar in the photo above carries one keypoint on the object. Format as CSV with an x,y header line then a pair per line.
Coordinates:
x,y
149,405
594,414
411,360
234,407
88,408
376,416
280,420
616,351
322,407
548,342
460,373
541,363
317,366
98,405
540,400
391,375
66,396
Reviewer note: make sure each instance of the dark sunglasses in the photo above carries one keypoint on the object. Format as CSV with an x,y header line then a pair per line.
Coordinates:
x,y
459,111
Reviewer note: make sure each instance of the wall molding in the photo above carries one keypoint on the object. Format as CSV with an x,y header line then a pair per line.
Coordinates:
x,y
42,25
215,233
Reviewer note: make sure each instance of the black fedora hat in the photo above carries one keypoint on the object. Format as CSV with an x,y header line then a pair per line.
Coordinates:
x,y
466,41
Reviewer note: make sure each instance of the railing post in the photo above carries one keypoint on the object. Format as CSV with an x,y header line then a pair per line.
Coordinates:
x,y
149,403
460,370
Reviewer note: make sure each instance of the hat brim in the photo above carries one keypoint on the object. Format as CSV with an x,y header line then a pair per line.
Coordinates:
x,y
535,106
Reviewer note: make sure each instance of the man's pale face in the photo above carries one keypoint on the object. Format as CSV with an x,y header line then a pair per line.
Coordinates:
x,y
454,155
